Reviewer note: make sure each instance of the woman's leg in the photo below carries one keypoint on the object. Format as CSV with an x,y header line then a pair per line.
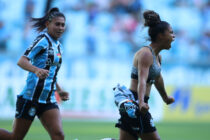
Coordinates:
x,y
51,120
150,136
5,135
126,136
20,128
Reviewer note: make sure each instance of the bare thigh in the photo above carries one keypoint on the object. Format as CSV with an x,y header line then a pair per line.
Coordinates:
x,y
126,136
51,120
20,128
150,136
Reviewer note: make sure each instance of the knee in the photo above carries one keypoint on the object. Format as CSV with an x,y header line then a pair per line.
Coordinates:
x,y
59,135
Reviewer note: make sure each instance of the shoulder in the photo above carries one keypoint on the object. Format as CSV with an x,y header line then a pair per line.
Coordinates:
x,y
144,56
41,40
145,53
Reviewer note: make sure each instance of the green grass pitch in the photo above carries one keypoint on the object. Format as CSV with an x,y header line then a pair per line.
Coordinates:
x,y
96,130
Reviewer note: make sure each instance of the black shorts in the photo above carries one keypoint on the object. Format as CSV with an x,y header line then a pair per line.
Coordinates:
x,y
29,109
136,126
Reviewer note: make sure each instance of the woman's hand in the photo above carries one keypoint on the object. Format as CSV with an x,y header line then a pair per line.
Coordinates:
x,y
41,73
169,100
143,107
63,95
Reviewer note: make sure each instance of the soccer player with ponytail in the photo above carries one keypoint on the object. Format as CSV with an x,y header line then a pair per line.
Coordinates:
x,y
42,60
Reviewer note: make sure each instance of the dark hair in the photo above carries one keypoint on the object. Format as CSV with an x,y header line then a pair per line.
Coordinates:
x,y
156,26
39,23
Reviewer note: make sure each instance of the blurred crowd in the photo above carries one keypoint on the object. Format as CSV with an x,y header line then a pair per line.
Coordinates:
x,y
111,29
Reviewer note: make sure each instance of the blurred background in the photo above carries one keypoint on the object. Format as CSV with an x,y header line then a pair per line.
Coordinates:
x,y
99,43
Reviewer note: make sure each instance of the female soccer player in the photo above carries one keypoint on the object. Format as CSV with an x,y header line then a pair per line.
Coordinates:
x,y
42,60
136,121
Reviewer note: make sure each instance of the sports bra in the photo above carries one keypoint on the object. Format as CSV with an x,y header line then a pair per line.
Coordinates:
x,y
154,70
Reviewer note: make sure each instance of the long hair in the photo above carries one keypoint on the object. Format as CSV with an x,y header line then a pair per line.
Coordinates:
x,y
39,23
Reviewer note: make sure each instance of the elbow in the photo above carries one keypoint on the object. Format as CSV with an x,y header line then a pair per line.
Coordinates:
x,y
19,63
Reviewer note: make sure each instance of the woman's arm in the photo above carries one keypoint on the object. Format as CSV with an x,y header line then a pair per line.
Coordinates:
x,y
63,94
159,84
25,64
144,62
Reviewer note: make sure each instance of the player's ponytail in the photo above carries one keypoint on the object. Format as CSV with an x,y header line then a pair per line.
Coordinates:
x,y
39,23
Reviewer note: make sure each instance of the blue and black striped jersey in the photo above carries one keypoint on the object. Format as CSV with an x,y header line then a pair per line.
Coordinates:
x,y
44,53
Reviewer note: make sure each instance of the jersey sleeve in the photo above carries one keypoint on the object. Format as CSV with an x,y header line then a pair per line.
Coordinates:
x,y
38,45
